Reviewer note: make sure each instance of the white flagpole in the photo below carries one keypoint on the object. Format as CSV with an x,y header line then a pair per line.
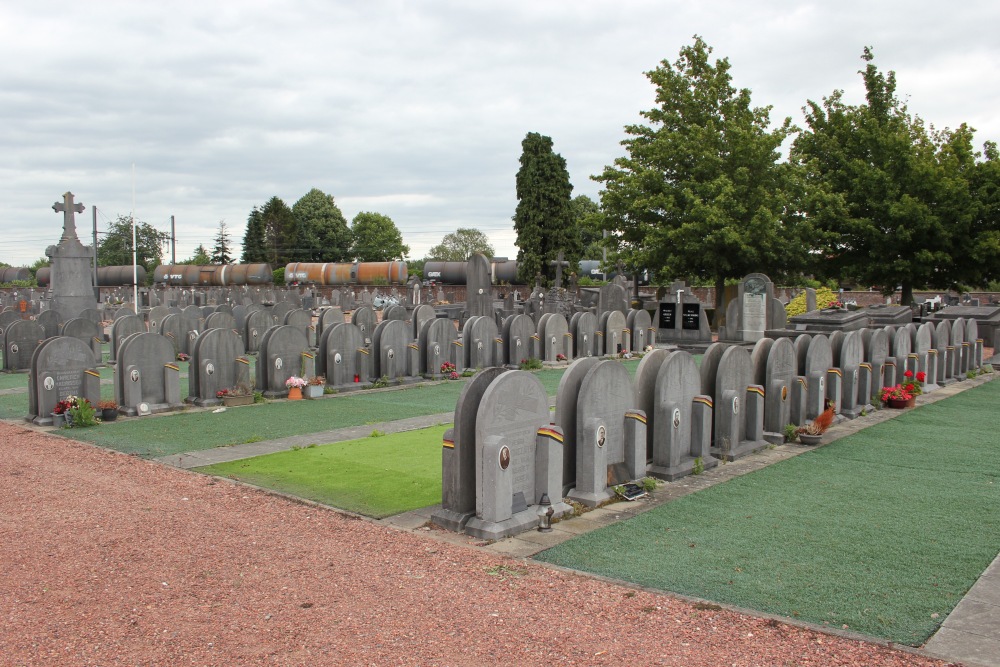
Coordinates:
x,y
135,262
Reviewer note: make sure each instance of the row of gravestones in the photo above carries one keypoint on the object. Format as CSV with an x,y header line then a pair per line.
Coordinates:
x,y
505,452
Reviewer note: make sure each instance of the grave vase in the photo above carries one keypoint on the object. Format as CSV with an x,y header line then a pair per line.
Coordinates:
x,y
230,401
810,438
313,390
109,414
58,419
900,403
295,393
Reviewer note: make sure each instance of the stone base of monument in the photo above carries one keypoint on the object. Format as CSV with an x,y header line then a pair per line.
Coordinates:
x,y
682,469
154,408
774,438
451,520
743,448
520,522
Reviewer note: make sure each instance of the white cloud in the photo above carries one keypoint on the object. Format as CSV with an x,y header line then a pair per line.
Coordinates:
x,y
416,110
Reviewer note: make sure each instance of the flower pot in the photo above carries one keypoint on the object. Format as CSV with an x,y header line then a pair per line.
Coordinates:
x,y
313,390
810,438
230,401
900,403
68,416
109,414
295,393
58,419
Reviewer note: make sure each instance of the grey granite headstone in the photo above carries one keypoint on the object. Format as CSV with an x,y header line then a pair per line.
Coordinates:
x,y
340,348
421,314
87,332
147,373
736,431
645,391
819,360
616,338
567,397
779,378
479,291
121,328
301,319
365,319
19,342
50,321
640,324
583,326
280,357
217,362
436,342
603,454
512,410
682,420
458,465
257,324
517,333
60,367
71,277
555,338
389,350
848,349
478,337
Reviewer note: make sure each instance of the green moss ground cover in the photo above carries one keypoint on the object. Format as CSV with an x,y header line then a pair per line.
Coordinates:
x,y
377,477
883,531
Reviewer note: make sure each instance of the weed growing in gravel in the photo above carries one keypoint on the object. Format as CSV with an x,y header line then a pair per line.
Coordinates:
x,y
376,433
505,571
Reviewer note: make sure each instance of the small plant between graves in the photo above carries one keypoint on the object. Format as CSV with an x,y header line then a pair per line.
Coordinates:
x,y
82,413
530,364
791,432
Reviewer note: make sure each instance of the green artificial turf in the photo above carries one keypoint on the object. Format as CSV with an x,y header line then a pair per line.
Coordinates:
x,y
377,477
883,531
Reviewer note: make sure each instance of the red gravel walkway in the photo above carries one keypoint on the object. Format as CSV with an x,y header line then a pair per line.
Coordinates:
x,y
106,559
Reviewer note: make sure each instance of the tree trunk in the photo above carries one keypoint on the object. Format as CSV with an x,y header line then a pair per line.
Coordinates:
x,y
720,311
906,298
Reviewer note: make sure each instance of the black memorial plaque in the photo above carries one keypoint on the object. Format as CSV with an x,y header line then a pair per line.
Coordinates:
x,y
690,316
668,315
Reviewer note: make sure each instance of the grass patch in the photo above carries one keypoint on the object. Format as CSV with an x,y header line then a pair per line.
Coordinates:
x,y
377,477
883,531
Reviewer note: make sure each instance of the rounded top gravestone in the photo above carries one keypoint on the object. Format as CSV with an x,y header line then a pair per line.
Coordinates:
x,y
517,333
566,415
583,326
801,346
759,355
606,393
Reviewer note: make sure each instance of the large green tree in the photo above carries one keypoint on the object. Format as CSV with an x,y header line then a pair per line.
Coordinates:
x,y
588,219
543,219
891,202
376,238
200,256
254,239
222,251
461,244
115,248
701,193
323,232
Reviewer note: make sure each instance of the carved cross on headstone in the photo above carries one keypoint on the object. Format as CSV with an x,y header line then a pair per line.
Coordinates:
x,y
67,208
559,263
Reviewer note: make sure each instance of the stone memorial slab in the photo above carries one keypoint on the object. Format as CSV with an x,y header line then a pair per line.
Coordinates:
x,y
20,339
147,373
736,431
344,366
567,397
583,326
605,455
60,367
645,391
478,336
615,329
512,410
435,343
280,357
123,327
640,324
458,464
682,421
389,349
517,333
217,363
87,332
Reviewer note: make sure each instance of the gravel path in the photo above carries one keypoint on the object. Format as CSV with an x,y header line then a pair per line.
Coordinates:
x,y
106,559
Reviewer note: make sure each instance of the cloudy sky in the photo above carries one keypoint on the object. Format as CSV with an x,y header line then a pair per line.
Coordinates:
x,y
412,109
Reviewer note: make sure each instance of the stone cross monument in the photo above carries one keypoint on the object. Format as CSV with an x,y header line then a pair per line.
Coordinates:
x,y
72,277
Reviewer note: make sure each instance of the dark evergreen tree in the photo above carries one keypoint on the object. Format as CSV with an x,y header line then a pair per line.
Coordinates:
x,y
254,240
281,234
543,219
222,250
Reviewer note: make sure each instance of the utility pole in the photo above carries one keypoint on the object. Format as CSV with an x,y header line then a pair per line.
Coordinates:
x,y
97,289
173,242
